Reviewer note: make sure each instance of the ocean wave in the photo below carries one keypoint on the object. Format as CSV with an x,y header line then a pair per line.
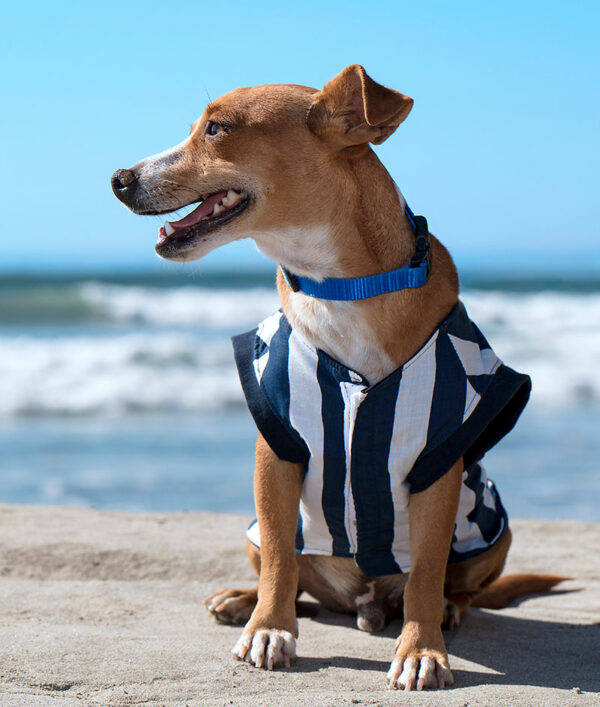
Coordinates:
x,y
116,375
185,306
99,302
554,337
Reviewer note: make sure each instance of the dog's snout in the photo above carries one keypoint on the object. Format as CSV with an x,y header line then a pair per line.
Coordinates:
x,y
122,181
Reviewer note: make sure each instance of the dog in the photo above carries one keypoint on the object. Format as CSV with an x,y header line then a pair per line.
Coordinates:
x,y
374,394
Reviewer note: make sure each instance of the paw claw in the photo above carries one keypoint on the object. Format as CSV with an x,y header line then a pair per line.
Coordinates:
x,y
266,648
444,675
393,674
241,648
418,674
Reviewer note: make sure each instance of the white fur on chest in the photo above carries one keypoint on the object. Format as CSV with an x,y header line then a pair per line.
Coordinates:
x,y
340,329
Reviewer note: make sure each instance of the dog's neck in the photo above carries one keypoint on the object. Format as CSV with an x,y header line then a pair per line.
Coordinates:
x,y
376,335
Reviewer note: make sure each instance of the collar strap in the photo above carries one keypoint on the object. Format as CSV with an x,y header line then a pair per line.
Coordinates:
x,y
415,274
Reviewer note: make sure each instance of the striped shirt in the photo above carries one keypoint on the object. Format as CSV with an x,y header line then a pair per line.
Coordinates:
x,y
365,448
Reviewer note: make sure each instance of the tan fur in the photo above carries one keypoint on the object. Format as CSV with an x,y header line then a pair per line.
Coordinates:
x,y
277,487
322,205
300,217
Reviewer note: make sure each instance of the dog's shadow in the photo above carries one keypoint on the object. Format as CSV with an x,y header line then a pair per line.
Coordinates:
x,y
518,651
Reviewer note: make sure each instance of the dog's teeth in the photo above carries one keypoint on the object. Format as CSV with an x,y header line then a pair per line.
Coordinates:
x,y
231,198
168,228
217,209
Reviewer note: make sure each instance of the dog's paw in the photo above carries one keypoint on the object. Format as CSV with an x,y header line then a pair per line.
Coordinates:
x,y
418,672
232,606
266,648
420,659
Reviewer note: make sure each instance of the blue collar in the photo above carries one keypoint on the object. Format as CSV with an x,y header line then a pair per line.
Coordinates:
x,y
415,274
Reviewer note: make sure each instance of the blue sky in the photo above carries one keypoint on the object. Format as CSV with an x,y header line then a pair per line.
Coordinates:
x,y
500,151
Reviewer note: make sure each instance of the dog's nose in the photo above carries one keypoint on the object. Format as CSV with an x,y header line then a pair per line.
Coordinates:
x,y
122,180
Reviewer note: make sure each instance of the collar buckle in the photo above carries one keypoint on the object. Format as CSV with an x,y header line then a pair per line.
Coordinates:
x,y
291,279
422,244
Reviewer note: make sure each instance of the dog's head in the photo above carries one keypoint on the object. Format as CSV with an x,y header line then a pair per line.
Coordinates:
x,y
262,161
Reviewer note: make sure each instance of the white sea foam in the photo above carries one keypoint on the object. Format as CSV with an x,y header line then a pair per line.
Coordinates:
x,y
554,337
182,359
185,306
116,375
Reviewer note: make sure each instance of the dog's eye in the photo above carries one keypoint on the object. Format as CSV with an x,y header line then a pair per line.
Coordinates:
x,y
213,128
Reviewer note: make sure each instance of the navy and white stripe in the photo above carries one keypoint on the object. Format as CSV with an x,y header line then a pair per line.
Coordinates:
x,y
365,448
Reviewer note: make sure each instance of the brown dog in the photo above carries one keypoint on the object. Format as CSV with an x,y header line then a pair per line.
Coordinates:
x,y
291,167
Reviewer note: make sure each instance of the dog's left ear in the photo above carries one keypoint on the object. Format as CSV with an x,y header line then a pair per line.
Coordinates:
x,y
353,109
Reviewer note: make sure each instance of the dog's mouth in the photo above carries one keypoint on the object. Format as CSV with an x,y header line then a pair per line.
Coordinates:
x,y
211,213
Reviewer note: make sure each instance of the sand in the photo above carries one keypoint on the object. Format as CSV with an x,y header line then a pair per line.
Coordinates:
x,y
104,608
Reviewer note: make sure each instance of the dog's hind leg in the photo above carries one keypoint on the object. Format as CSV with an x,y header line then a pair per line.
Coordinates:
x,y
466,579
478,581
232,606
235,606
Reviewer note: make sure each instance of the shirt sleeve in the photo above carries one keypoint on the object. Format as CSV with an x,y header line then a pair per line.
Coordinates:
x,y
494,417
281,437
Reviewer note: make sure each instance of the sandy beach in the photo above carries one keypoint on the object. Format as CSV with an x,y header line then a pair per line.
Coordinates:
x,y
105,608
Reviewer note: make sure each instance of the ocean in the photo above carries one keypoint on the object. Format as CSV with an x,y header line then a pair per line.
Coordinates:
x,y
119,391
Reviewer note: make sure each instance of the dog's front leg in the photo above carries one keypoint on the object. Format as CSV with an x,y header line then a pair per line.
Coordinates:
x,y
421,659
269,637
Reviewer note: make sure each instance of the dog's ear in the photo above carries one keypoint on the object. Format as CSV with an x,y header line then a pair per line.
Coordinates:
x,y
353,109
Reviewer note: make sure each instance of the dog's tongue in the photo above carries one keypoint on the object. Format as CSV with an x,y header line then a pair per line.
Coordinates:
x,y
205,209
